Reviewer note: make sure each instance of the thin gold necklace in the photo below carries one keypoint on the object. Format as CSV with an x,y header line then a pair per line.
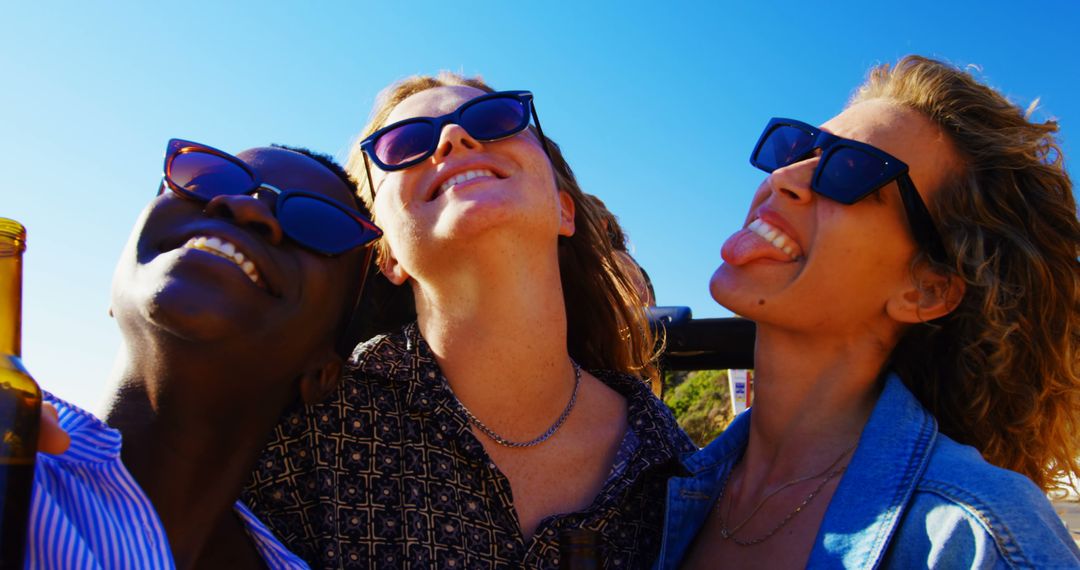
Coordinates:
x,y
828,473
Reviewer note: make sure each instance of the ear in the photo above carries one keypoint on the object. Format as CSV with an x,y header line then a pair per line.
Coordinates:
x,y
318,381
566,214
929,295
393,269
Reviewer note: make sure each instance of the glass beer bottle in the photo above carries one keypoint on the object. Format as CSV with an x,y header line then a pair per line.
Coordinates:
x,y
20,403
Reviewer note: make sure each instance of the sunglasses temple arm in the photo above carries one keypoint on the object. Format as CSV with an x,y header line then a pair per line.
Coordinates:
x,y
370,182
922,225
540,131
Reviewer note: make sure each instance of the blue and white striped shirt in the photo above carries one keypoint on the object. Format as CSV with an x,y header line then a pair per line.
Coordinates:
x,y
88,512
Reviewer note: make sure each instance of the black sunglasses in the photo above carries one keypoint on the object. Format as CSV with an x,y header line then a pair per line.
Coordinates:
x,y
847,172
316,222
486,118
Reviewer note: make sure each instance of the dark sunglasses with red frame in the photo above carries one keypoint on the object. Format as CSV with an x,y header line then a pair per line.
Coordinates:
x,y
319,223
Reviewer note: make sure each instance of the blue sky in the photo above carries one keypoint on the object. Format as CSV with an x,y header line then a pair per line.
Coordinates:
x,y
656,107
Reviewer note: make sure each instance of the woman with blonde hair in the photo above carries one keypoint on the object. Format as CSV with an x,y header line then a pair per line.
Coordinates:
x,y
513,409
912,269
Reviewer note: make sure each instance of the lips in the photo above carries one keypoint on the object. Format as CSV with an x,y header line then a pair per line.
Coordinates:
x,y
775,236
760,240
461,176
227,250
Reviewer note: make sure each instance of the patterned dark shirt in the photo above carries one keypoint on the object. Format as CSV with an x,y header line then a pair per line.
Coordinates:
x,y
388,474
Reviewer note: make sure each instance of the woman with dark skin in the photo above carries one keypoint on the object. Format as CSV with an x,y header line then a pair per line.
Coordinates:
x,y
226,320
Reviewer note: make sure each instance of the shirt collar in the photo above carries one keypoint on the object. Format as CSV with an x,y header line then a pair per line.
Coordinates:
x,y
92,441
893,452
427,390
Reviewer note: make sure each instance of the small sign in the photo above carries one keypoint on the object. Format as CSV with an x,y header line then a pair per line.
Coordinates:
x,y
741,386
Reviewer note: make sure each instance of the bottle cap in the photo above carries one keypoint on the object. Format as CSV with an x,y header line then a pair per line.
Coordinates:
x,y
12,237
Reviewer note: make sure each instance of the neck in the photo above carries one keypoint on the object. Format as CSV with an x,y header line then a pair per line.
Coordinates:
x,y
498,331
812,396
191,455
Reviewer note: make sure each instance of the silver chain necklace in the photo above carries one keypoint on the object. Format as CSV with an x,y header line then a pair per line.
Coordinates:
x,y
539,439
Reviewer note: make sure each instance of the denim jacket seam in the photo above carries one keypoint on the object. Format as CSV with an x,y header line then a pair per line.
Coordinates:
x,y
1007,545
916,464
694,474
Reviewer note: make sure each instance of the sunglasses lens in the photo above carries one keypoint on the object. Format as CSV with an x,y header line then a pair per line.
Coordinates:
x,y
784,145
320,226
207,175
405,143
495,118
849,174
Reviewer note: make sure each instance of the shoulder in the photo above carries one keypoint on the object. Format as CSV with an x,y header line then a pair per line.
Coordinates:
x,y
965,511
380,355
85,503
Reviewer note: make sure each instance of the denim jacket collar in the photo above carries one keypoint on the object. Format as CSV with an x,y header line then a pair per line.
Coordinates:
x,y
893,452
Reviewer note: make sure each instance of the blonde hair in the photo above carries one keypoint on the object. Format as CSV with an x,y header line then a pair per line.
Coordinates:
x,y
999,372
606,325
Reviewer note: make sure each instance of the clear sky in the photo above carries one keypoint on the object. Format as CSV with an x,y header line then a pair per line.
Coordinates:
x,y
655,104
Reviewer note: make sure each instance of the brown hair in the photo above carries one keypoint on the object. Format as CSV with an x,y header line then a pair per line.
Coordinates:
x,y
999,372
606,325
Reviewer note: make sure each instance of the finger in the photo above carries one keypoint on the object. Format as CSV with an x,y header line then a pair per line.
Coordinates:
x,y
52,439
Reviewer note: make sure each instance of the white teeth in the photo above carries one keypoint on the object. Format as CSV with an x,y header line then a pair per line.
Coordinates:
x,y
465,177
225,250
777,238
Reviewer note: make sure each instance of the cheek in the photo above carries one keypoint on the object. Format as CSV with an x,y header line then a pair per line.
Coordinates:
x,y
325,291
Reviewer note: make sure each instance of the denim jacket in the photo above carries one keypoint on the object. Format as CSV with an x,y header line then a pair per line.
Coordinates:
x,y
910,498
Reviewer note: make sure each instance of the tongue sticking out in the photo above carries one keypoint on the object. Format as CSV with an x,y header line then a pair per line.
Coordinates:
x,y
746,246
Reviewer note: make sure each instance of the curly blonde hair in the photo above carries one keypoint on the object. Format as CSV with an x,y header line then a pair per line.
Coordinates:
x,y
999,372
606,324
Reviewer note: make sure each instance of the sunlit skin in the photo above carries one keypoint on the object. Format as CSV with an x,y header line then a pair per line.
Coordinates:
x,y
212,358
482,261
51,439
827,322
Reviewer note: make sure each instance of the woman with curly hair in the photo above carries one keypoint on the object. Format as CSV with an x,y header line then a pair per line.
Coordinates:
x,y
912,269
513,409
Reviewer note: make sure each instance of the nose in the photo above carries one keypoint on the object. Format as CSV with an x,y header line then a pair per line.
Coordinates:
x,y
454,135
793,181
249,212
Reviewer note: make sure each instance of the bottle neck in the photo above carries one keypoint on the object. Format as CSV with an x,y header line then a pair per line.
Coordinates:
x,y
11,250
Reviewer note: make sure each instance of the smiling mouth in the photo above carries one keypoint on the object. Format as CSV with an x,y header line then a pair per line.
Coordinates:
x,y
777,238
462,178
227,250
